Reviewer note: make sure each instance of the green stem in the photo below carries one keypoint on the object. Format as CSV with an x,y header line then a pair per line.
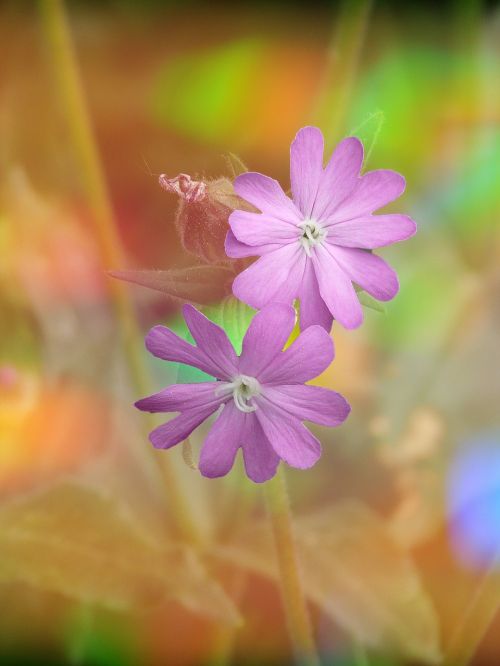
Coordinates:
x,y
112,255
343,59
294,602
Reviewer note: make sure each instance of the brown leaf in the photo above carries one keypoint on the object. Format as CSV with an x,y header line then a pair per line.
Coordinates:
x,y
357,574
201,285
75,541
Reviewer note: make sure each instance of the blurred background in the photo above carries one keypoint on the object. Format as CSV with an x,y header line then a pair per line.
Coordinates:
x,y
112,554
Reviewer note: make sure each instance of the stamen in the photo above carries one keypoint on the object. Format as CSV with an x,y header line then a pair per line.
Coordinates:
x,y
243,388
312,234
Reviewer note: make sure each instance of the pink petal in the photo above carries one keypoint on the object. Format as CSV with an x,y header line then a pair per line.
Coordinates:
x,y
222,442
212,341
260,229
310,403
313,309
265,338
369,271
339,178
371,231
237,250
181,397
291,440
261,460
336,288
165,344
373,190
306,168
276,276
267,195
310,354
178,429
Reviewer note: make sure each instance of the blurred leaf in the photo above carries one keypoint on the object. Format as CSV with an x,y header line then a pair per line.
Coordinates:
x,y
197,284
18,332
369,302
75,541
357,574
94,636
407,83
205,94
368,131
234,317
430,292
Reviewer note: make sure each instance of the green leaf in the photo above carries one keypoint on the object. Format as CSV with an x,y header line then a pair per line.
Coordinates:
x,y
234,317
203,94
368,131
369,302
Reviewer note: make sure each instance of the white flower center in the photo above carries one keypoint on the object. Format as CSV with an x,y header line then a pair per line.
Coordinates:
x,y
243,388
312,234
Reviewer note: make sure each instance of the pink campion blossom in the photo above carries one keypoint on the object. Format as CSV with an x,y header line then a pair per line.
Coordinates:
x,y
315,245
261,394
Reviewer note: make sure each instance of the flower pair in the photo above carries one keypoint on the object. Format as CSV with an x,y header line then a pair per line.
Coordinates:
x,y
312,247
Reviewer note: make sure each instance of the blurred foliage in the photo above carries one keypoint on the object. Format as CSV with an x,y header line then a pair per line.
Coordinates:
x,y
357,574
210,89
82,543
181,83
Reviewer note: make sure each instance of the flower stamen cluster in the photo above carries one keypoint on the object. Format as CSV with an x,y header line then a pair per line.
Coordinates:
x,y
243,388
312,234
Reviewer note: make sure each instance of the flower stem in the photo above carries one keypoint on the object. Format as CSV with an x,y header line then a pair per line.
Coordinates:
x,y
476,619
294,602
60,43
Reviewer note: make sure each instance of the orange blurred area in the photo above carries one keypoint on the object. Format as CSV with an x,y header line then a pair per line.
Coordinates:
x,y
48,430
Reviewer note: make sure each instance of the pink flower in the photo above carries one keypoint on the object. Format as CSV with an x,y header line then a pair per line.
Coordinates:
x,y
261,394
315,245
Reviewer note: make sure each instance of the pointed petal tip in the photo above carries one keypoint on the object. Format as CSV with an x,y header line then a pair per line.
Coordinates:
x,y
412,227
188,309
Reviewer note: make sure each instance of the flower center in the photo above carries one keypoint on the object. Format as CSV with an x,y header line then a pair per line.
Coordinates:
x,y
243,388
312,234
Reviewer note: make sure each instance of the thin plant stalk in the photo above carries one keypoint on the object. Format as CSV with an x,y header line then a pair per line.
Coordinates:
x,y
61,47
294,601
476,620
343,59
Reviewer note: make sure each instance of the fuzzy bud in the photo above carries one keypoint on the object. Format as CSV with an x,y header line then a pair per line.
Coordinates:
x,y
202,214
184,186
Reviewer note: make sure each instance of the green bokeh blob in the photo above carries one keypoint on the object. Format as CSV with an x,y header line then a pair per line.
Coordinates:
x,y
204,95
